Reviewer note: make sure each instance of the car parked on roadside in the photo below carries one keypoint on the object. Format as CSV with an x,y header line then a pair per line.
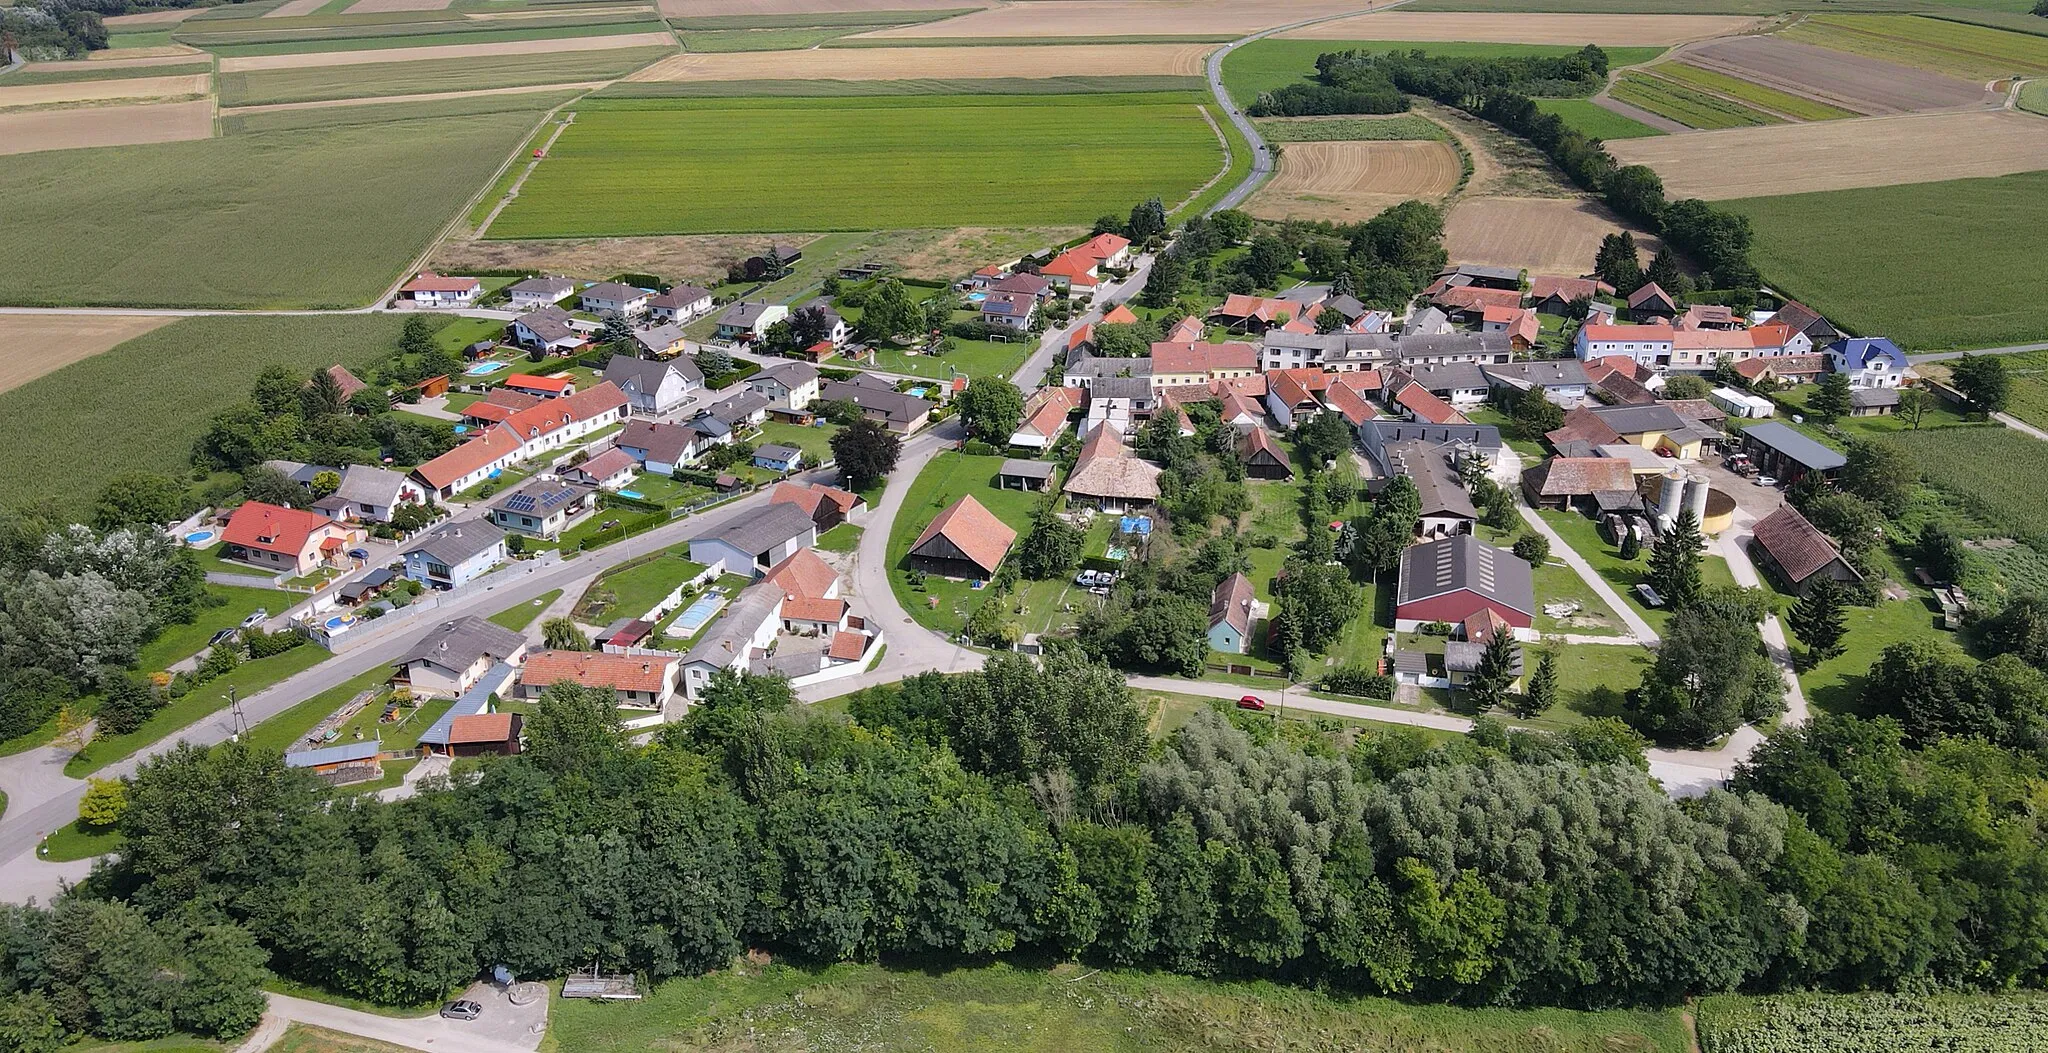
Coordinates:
x,y
462,1009
1251,702
256,617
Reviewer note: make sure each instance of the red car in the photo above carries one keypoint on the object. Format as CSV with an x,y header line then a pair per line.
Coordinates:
x,y
1251,702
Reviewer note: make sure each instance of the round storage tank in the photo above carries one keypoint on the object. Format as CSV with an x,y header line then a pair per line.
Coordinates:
x,y
1670,498
1720,513
1696,497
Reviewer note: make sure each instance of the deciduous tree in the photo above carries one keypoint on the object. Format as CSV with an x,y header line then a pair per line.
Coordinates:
x,y
866,452
991,408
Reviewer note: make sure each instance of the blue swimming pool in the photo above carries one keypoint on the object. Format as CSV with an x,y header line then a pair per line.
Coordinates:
x,y
696,614
483,369
976,297
634,494
199,537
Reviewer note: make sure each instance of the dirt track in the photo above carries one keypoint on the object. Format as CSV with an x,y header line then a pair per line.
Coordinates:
x,y
1853,82
98,90
447,51
1545,235
1121,18
939,62
1838,155
735,8
39,344
1617,30
1350,181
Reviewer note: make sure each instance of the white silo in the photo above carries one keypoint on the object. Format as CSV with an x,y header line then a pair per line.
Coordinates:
x,y
1670,498
1696,487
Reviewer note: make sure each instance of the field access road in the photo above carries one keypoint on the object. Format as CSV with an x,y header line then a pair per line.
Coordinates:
x,y
1943,356
503,1027
1262,156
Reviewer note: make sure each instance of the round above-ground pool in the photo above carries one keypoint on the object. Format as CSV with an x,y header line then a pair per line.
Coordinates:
x,y
340,621
199,537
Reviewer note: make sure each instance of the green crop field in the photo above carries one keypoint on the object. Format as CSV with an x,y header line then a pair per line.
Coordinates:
x,y
742,89
438,39
1264,65
530,104
1694,109
324,218
1862,1022
1798,107
1590,118
2029,399
711,40
1323,129
1998,473
730,165
318,83
1955,48
1700,7
816,19
1957,264
1065,1009
26,76
2034,97
144,402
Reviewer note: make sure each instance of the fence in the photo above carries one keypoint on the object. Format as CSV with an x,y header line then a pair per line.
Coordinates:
x,y
1245,670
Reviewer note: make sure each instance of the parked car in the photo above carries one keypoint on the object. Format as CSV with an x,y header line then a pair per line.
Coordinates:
x,y
1766,480
462,1009
224,634
1251,702
256,617
1649,595
1085,578
359,553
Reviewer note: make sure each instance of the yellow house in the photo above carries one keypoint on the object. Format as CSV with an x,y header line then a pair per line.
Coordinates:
x,y
1178,363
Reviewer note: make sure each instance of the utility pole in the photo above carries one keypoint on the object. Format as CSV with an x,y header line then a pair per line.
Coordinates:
x,y
236,718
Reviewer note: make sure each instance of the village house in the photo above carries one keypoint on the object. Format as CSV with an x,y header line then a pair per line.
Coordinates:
x,y
529,432
454,554
748,320
749,545
1230,615
1869,362
549,329
1446,508
739,637
1084,370
614,300
369,494
654,387
964,541
1648,345
1797,552
636,681
1563,381
776,457
1520,324
457,654
549,387
611,470
1045,416
679,305
1072,272
428,289
789,387
1454,579
661,448
1030,285
287,540
543,507
662,341
1198,363
1009,310
879,401
1293,396
531,293
1380,437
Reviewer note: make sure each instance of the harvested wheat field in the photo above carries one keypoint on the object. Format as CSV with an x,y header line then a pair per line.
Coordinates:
x,y
307,60
152,18
294,8
70,129
1349,181
94,66
1615,30
687,258
1121,18
1853,82
1544,235
371,7
1054,60
1839,155
740,8
100,90
44,343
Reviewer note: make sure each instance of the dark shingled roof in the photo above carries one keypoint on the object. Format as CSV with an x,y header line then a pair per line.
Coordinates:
x,y
1436,568
1797,546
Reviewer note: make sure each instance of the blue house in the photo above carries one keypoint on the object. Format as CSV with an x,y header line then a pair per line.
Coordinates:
x,y
1230,615
777,458
1869,361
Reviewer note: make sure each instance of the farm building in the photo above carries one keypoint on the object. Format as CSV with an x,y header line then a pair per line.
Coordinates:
x,y
1446,506
1562,482
1778,449
1107,475
749,545
1024,475
1797,551
347,762
964,541
1263,458
1456,578
828,506
484,734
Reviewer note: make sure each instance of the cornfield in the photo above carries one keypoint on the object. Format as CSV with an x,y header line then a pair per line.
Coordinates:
x,y
1874,1024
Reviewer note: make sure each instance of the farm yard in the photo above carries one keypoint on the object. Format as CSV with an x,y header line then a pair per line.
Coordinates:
x,y
197,365
429,76
1960,265
1566,29
39,344
1852,82
1957,49
323,218
1542,235
1874,152
27,131
1183,60
907,161
1590,118
1347,182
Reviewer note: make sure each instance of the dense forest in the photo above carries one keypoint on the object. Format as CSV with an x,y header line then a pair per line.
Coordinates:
x,y
1022,809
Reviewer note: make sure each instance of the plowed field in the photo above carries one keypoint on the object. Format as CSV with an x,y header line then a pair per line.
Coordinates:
x,y
1853,82
938,62
1526,29
1544,235
1349,181
1839,155
307,60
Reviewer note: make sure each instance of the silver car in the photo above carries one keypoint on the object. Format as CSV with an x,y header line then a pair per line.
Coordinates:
x,y
462,1009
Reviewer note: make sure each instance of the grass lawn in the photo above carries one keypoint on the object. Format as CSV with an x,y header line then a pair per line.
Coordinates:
x,y
400,734
843,538
315,218
1961,271
1583,535
1836,685
179,1044
2027,399
429,76
815,441
1556,583
1595,120
1590,680
693,166
1264,65
1938,414
178,642
75,841
632,591
200,366
518,618
1064,1009
1364,635
944,605
203,700
976,358
1529,448
662,489
1275,513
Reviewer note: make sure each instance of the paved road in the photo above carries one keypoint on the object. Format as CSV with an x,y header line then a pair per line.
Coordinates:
x,y
1053,343
503,1027
1943,356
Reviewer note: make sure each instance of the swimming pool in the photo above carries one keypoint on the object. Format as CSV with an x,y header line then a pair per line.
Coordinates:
x,y
634,494
976,297
483,369
696,614
199,537
917,393
340,621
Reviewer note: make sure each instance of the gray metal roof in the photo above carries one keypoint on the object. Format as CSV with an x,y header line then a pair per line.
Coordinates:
x,y
342,754
745,312
1026,469
775,451
1462,656
1096,367
758,532
1436,482
1634,420
458,644
470,703
738,407
1120,388
1445,377
1464,562
614,292
452,544
659,338
1783,438
1865,398
724,641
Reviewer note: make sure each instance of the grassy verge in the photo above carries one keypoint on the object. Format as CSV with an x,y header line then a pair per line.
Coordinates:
x,y
74,841
519,617
203,701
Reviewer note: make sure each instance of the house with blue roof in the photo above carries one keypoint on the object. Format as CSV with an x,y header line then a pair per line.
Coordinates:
x,y
1869,361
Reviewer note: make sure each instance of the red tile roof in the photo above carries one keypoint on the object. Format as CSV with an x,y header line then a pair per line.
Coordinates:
x,y
1120,315
1347,401
1082,334
1797,546
974,530
619,672
607,464
272,528
1103,246
804,574
1416,399
494,442
346,381
1168,358
1501,313
1069,265
1262,308
1585,425
480,728
1772,335
1544,286
1579,476
813,609
529,382
847,647
1188,329
1472,297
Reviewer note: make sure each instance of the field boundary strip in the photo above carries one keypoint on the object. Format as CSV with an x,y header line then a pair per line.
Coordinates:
x,y
387,56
